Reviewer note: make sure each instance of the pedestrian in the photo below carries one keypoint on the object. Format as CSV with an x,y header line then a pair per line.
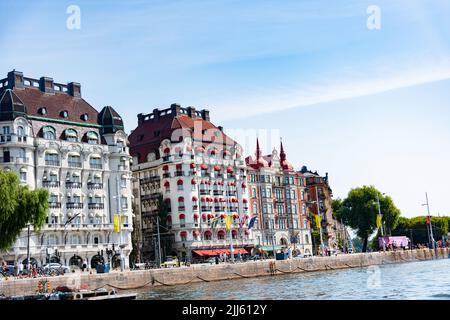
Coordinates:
x,y
84,266
20,268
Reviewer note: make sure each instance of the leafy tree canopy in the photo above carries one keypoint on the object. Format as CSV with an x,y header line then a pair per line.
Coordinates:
x,y
19,207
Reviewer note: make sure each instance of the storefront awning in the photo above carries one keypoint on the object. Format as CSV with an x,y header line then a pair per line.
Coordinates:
x,y
217,252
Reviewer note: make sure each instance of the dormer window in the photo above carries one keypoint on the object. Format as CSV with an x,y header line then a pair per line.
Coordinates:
x,y
71,135
42,111
64,114
92,137
49,133
84,117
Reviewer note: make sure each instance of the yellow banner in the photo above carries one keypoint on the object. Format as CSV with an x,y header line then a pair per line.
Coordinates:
x,y
116,223
378,221
228,221
317,221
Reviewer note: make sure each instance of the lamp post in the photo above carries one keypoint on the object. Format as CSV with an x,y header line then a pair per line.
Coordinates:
x,y
430,228
381,222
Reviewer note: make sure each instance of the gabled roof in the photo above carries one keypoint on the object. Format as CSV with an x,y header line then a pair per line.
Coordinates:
x,y
11,106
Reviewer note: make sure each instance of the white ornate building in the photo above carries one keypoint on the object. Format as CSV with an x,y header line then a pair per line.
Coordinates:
x,y
200,173
54,139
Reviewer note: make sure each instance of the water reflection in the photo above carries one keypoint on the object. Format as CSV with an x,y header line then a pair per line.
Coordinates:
x,y
415,280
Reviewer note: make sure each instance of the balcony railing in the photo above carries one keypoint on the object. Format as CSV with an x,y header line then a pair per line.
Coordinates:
x,y
74,205
204,192
217,192
73,185
166,175
95,185
14,160
54,205
52,162
74,164
96,165
50,184
178,173
95,205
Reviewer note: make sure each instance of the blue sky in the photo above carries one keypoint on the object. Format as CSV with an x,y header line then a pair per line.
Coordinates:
x,y
366,106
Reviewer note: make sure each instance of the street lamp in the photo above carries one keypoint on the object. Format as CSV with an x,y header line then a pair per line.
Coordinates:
x,y
430,229
320,226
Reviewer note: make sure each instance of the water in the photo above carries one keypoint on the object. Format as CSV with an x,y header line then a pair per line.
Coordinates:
x,y
414,280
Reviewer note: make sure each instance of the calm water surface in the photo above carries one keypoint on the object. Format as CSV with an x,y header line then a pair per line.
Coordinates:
x,y
414,280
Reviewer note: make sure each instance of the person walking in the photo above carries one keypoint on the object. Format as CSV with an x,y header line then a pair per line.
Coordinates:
x,y
20,268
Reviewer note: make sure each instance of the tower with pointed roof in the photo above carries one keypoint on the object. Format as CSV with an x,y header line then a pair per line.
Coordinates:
x,y
277,199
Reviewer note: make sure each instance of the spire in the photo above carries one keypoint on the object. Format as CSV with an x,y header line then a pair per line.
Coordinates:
x,y
282,153
258,150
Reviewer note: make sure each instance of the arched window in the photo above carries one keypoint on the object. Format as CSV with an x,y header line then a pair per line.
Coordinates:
x,y
71,135
49,133
20,131
92,137
52,240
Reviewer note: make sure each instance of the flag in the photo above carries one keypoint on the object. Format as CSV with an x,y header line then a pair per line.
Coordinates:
x,y
318,221
242,222
214,222
116,223
251,223
228,221
428,220
378,221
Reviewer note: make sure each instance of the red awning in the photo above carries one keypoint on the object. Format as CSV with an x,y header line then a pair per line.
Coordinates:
x,y
193,181
216,168
230,169
194,198
203,253
221,232
182,216
166,150
180,182
235,215
244,200
204,216
222,216
183,234
196,216
210,215
165,167
226,153
247,231
180,199
195,233
216,200
179,166
244,185
213,151
192,165
166,184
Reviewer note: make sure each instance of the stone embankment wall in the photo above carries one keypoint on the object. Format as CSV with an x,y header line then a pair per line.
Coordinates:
x,y
133,280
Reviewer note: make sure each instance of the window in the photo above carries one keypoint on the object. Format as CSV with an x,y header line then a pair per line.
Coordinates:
x,y
74,161
49,133
51,159
20,131
6,131
53,198
52,240
53,177
71,135
124,202
92,137
123,182
306,239
95,162
22,153
255,207
253,192
295,224
304,209
303,195
23,176
75,239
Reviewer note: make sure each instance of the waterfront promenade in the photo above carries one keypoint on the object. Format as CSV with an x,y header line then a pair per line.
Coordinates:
x,y
134,280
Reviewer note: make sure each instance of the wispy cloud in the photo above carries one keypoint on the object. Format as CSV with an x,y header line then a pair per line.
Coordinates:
x,y
379,79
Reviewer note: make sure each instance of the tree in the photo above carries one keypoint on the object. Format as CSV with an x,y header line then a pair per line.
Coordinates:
x,y
417,228
19,207
360,209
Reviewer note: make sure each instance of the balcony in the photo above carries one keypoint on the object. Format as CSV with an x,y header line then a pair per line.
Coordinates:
x,y
194,207
206,209
14,160
95,205
54,205
73,185
217,192
52,163
94,185
231,193
166,175
5,138
178,173
204,192
51,184
74,205
166,159
74,164
218,209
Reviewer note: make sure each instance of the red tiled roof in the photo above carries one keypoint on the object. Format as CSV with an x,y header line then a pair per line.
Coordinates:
x,y
34,99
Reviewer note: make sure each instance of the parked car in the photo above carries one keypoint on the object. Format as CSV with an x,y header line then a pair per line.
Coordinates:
x,y
170,262
56,267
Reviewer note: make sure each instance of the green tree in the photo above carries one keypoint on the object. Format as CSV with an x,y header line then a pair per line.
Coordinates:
x,y
360,209
417,228
19,207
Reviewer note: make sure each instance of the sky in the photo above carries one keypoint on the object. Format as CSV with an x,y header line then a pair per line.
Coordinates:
x,y
368,106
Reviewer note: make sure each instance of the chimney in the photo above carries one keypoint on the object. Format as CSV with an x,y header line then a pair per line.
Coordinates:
x,y
156,114
220,128
176,108
46,85
140,119
191,112
205,114
15,79
74,89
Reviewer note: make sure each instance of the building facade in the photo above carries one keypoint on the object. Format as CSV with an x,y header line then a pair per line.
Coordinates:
x,y
319,198
56,140
186,173
277,197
